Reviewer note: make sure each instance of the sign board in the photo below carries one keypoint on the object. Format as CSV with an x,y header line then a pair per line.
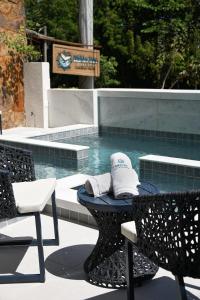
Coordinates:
x,y
76,61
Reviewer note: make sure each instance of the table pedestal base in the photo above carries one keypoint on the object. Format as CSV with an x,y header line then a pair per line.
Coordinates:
x,y
106,266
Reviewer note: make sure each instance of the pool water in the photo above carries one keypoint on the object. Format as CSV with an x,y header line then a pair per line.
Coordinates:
x,y
101,147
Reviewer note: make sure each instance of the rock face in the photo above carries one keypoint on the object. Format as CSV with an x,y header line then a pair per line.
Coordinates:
x,y
12,16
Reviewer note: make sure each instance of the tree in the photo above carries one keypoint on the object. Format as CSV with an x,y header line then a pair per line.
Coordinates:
x,y
60,17
108,67
155,44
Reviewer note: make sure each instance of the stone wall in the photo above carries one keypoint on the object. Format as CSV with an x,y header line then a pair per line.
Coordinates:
x,y
12,16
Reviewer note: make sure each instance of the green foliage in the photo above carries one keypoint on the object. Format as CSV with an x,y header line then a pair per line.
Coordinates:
x,y
17,46
155,43
60,17
152,41
107,73
19,52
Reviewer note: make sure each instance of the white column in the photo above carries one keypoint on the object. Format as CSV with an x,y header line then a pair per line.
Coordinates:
x,y
36,85
86,36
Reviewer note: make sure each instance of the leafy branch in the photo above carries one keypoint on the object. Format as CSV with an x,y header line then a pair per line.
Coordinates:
x,y
18,52
17,45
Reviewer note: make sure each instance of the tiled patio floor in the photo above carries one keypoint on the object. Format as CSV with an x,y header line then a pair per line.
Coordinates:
x,y
65,279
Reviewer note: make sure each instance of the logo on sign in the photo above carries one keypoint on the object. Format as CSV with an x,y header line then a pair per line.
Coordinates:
x,y
64,60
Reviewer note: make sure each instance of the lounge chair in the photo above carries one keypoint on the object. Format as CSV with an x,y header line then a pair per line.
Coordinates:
x,y
166,229
22,195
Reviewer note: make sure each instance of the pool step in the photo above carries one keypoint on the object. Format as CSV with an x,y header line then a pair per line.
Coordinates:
x,y
151,164
51,149
43,141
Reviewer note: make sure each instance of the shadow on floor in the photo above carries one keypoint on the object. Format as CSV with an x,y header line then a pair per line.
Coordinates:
x,y
68,262
163,288
11,256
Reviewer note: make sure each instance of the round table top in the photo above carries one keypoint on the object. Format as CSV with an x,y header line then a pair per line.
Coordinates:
x,y
109,203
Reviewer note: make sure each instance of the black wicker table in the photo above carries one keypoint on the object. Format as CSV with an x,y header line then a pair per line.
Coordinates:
x,y
106,265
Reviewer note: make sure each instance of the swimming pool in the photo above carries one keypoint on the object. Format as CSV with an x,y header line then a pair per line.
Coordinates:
x,y
101,147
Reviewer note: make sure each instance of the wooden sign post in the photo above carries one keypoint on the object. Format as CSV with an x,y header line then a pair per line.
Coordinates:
x,y
76,61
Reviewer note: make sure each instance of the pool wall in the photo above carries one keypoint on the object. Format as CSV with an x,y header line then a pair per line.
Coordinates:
x,y
72,106
162,111
185,172
165,135
67,133
171,111
46,145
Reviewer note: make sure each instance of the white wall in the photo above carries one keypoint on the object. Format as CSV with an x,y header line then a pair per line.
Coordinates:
x,y
163,110
36,84
72,106
147,109
47,107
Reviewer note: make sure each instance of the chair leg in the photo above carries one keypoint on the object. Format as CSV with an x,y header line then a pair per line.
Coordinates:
x,y
21,278
33,242
55,218
55,240
129,271
40,246
181,285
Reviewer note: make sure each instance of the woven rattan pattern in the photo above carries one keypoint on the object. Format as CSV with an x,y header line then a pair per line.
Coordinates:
x,y
168,230
18,162
7,200
16,165
106,264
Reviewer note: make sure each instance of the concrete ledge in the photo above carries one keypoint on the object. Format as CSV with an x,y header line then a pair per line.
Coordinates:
x,y
43,141
67,203
59,150
171,160
160,94
30,132
68,206
151,165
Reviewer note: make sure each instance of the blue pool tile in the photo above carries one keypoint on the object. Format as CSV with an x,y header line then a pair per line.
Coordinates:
x,y
197,172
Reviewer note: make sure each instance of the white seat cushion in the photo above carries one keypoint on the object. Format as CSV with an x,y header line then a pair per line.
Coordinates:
x,y
129,231
32,196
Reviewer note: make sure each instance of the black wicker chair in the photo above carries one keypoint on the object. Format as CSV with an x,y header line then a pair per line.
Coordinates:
x,y
16,178
167,230
19,162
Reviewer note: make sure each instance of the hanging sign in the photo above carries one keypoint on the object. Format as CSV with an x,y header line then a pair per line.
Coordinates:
x,y
76,61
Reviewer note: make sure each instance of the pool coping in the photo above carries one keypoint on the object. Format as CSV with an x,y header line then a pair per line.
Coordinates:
x,y
68,206
67,200
44,141
66,196
154,164
171,160
70,209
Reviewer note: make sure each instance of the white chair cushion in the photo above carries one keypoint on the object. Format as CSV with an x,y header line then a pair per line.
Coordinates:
x,y
129,231
32,196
